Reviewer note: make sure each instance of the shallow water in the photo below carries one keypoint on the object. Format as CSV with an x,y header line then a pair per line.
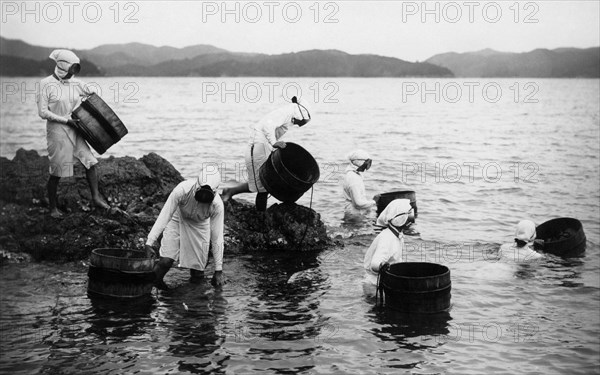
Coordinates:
x,y
505,318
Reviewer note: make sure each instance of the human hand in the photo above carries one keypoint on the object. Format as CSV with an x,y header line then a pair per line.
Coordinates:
x,y
73,123
218,279
150,253
280,144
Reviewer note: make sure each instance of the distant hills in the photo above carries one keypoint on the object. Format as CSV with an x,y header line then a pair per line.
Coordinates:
x,y
539,63
136,59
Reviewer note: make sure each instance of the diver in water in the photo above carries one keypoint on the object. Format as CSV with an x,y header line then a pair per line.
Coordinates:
x,y
357,205
521,251
388,246
191,222
58,95
265,136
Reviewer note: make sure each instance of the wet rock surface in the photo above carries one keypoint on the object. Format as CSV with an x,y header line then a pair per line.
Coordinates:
x,y
136,190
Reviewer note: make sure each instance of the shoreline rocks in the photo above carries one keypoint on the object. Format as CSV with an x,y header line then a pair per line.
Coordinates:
x,y
136,190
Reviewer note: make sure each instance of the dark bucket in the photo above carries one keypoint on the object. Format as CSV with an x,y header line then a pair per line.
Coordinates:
x,y
99,125
382,200
563,236
416,287
288,173
120,273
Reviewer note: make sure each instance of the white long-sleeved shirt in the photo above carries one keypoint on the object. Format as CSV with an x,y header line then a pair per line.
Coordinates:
x,y
354,190
56,99
386,248
524,254
274,125
182,198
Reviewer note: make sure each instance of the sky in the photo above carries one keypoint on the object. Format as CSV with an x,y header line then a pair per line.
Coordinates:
x,y
409,30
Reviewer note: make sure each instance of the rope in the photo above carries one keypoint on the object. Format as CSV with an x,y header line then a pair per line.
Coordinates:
x,y
379,291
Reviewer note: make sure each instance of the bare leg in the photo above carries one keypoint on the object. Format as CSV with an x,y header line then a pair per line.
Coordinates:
x,y
261,201
242,187
52,196
161,268
92,178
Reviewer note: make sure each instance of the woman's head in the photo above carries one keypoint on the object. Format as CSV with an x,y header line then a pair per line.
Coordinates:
x,y
207,183
360,159
396,213
67,63
525,232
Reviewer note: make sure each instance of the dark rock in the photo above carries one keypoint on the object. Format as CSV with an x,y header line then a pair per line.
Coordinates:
x,y
136,190
285,226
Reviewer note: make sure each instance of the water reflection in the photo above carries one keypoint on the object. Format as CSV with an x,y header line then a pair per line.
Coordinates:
x,y
191,317
431,330
119,319
285,298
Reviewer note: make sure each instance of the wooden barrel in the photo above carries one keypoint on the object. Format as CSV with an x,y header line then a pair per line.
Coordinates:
x,y
562,236
99,125
288,173
382,201
416,287
120,273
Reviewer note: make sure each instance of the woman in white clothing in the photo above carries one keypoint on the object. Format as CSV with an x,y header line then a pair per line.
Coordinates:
x,y
191,222
388,246
357,204
521,251
265,136
59,94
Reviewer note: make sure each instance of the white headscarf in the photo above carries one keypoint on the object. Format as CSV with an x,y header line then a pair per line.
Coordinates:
x,y
391,212
210,176
64,59
358,157
525,231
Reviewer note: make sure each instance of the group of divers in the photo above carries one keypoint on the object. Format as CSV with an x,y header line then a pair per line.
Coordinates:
x,y
192,219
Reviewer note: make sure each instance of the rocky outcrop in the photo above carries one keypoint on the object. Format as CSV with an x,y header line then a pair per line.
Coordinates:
x,y
136,190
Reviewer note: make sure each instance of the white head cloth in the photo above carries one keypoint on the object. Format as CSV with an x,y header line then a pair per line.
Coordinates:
x,y
395,208
64,59
210,176
358,157
525,231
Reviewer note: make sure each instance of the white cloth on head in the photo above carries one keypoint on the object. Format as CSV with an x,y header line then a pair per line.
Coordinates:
x,y
353,188
56,100
210,175
525,231
394,208
512,252
64,59
191,228
264,134
358,157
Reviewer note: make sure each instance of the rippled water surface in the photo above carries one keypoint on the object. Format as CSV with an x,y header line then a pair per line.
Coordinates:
x,y
478,168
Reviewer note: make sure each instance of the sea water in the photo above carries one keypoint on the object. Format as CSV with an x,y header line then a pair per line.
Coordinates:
x,y
481,155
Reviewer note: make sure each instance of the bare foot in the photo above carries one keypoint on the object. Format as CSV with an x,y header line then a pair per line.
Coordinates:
x,y
100,203
56,213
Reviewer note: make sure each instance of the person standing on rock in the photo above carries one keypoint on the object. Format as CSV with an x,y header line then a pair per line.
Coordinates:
x,y
59,94
357,204
191,222
265,136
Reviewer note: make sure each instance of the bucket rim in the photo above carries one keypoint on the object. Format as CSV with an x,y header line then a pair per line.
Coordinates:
x,y
446,272
96,252
313,161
